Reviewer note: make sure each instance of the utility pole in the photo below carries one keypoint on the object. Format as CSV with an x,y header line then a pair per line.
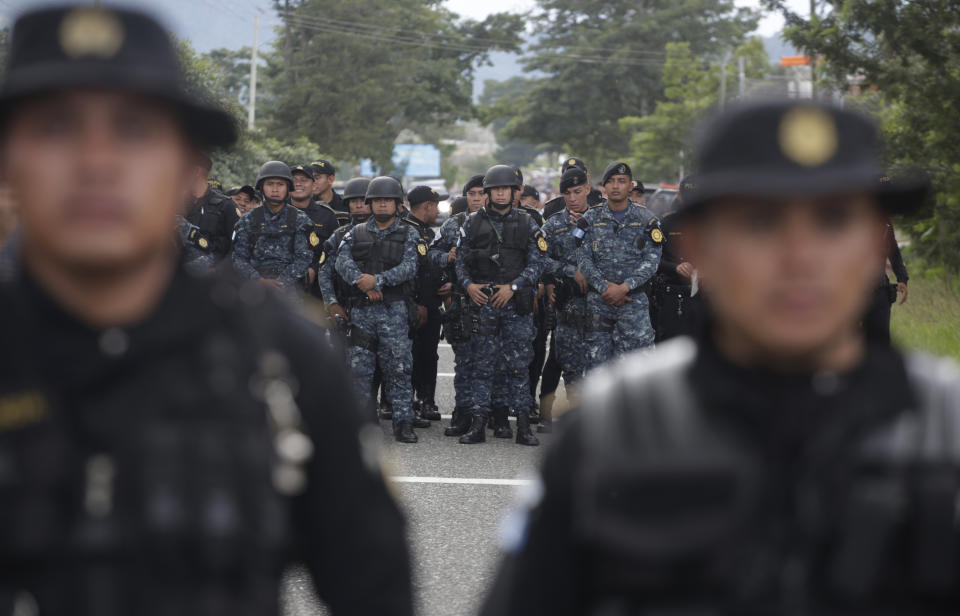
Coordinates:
x,y
813,60
723,81
742,90
252,106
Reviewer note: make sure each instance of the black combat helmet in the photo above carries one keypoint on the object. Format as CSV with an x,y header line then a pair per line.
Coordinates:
x,y
274,169
356,189
501,175
384,187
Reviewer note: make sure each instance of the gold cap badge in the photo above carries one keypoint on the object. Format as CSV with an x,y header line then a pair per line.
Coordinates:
x,y
91,32
808,136
203,243
572,161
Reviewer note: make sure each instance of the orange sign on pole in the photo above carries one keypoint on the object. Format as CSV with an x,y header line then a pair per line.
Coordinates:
x,y
795,61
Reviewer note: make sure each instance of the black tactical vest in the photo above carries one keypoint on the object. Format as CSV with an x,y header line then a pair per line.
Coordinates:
x,y
375,256
190,486
258,220
497,258
667,504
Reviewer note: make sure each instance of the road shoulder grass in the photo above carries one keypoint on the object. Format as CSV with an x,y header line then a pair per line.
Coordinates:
x,y
930,320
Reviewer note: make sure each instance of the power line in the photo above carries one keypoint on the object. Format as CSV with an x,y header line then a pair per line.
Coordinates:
x,y
427,43
362,27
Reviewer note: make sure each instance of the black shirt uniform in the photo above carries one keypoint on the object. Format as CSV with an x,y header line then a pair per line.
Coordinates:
x,y
142,475
707,486
215,215
427,337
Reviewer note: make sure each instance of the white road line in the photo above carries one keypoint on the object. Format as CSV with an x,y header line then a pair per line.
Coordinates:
x,y
463,481
445,345
446,374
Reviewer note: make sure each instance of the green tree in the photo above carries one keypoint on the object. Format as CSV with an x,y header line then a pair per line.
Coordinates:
x,y
354,73
659,144
240,165
603,61
497,103
234,69
907,56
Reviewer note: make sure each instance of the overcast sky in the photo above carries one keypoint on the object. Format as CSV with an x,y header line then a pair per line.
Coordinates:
x,y
229,23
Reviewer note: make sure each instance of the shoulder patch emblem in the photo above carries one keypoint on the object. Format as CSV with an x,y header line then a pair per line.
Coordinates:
x,y
314,239
541,244
422,249
203,243
21,409
656,235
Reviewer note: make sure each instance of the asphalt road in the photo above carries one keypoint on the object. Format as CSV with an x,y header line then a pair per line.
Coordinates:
x,y
453,510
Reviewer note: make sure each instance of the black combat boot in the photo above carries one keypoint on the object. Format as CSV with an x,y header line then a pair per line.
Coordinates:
x,y
418,419
404,433
535,413
477,432
386,410
524,434
429,410
460,422
501,423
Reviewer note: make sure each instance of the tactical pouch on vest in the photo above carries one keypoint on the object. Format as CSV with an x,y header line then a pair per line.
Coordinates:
x,y
271,272
456,321
413,316
599,323
359,338
573,315
523,301
484,325
935,557
873,509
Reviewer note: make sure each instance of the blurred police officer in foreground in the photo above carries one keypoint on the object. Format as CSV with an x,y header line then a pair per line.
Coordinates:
x,y
499,262
163,437
273,240
779,463
618,257
378,260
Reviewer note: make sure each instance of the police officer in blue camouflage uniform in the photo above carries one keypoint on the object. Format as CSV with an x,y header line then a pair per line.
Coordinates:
x,y
501,257
620,253
272,242
378,259
328,281
456,325
567,286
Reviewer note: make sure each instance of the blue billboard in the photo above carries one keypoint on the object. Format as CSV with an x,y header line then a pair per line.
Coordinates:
x,y
414,160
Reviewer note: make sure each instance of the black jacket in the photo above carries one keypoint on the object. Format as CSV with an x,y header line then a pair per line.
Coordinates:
x,y
141,474
693,485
